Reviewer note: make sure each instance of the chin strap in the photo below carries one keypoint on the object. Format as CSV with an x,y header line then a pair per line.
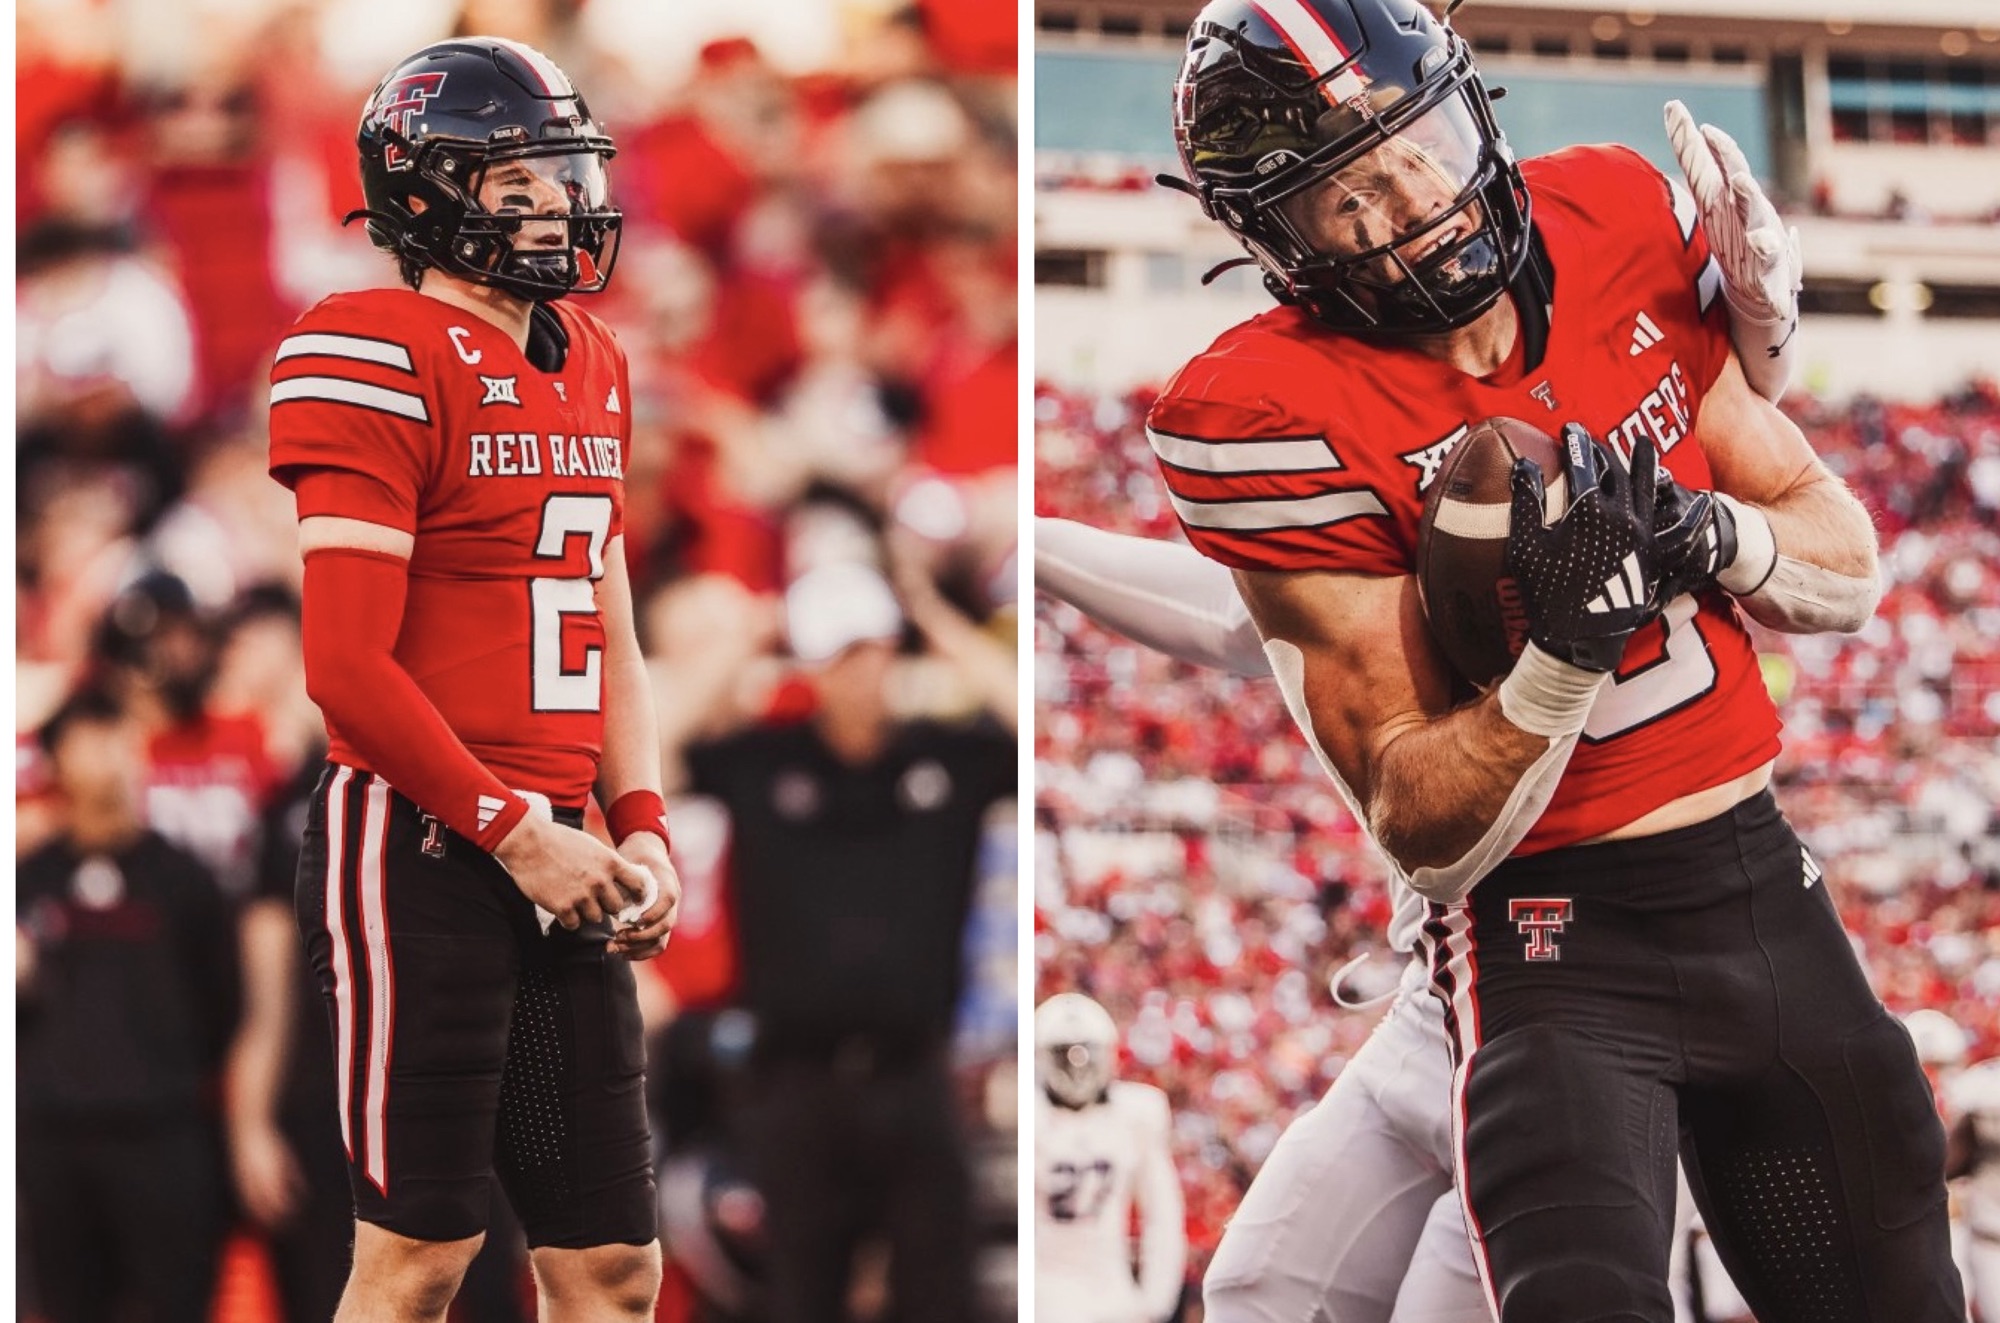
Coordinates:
x,y
1209,276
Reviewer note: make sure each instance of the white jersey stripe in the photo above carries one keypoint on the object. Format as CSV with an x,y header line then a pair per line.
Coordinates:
x,y
1293,455
346,346
342,391
1317,45
1281,512
381,982
342,956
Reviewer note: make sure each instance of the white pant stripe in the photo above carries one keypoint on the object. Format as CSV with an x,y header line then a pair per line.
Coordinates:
x,y
343,959
381,981
1465,1013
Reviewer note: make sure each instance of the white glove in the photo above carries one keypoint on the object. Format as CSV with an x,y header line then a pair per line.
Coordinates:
x,y
1757,254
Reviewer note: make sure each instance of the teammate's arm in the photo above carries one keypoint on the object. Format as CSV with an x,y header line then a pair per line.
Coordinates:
x,y
1365,682
1757,253
1803,558
357,576
1162,1219
1162,595
628,778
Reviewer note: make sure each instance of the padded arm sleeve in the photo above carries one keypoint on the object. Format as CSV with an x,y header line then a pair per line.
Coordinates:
x,y
1164,595
353,612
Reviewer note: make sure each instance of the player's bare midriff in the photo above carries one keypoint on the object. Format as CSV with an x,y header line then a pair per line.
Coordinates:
x,y
1690,809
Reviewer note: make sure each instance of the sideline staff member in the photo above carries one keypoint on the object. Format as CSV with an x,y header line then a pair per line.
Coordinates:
x,y
855,836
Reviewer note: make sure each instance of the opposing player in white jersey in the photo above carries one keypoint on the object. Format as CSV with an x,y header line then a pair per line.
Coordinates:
x,y
1352,1218
1101,1150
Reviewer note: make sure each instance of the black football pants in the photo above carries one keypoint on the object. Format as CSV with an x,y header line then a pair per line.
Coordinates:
x,y
1693,992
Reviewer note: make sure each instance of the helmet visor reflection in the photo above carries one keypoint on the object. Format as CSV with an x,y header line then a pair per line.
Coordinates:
x,y
562,184
1404,190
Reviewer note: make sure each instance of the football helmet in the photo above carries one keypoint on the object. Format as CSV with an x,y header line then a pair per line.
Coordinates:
x,y
450,116
1076,1048
1349,145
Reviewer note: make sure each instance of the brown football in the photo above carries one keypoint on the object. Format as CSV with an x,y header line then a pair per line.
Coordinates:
x,y
1470,601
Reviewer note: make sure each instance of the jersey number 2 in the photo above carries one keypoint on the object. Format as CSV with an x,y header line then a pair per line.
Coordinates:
x,y
556,689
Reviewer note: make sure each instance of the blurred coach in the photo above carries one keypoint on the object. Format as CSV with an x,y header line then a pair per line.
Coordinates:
x,y
855,836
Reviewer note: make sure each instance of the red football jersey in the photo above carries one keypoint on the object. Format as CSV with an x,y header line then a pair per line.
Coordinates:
x,y
511,480
1286,446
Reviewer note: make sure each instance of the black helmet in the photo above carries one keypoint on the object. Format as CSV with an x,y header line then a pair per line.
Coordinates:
x,y
446,117
1423,219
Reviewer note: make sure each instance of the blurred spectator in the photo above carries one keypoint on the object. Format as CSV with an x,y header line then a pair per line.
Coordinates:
x,y
854,840
126,987
1195,874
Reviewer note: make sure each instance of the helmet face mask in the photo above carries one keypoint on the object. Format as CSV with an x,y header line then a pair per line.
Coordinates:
x,y
1359,164
1076,1074
1076,1049
472,152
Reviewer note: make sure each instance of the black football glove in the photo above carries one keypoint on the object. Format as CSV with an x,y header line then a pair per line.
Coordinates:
x,y
1696,536
1593,576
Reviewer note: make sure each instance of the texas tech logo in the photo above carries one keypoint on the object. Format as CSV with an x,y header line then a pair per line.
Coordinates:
x,y
399,103
1539,921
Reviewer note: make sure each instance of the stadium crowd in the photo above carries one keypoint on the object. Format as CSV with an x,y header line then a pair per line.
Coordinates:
x,y
1194,873
817,296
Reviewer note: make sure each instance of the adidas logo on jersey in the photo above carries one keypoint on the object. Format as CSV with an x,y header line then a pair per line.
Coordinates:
x,y
489,809
1645,335
1809,866
1622,589
611,402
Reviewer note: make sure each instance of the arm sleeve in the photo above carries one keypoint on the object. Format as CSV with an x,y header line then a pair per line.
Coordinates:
x,y
1161,595
353,613
1162,1216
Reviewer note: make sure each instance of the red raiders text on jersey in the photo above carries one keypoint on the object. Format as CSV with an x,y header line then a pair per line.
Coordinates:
x,y
1287,447
511,480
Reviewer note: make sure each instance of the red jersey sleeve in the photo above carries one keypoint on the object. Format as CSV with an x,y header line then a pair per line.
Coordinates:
x,y
1663,214
355,404
1260,478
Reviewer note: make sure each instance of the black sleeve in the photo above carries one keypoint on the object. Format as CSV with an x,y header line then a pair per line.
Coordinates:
x,y
708,765
988,757
283,834
207,924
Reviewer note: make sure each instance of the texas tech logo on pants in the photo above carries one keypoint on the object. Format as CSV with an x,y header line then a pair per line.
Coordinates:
x,y
1539,921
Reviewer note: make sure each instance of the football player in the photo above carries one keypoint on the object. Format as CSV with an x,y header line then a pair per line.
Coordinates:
x,y
457,450
1101,1151
1628,939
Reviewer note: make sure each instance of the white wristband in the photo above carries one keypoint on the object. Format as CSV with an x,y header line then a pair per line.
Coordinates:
x,y
1545,695
1756,549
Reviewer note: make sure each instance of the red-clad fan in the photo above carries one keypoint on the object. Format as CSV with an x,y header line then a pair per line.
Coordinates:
x,y
457,449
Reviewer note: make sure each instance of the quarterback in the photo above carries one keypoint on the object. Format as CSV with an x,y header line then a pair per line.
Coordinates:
x,y
1631,953
1101,1151
457,450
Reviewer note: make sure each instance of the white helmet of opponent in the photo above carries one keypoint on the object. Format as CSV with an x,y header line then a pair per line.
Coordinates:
x,y
1076,1048
1938,1038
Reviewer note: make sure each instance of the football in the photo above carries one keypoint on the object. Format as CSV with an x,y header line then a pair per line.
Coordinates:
x,y
1470,601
